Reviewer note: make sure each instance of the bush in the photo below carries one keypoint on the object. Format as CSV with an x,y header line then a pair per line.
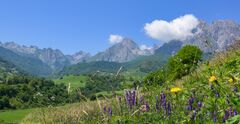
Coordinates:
x,y
183,62
179,65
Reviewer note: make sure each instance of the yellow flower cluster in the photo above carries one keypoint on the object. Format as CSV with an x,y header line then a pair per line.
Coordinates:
x,y
212,79
175,89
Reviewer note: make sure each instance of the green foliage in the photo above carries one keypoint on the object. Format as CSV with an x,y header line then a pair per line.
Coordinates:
x,y
155,78
99,83
179,65
27,92
183,62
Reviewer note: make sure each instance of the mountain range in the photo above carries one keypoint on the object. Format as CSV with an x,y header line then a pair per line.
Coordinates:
x,y
216,36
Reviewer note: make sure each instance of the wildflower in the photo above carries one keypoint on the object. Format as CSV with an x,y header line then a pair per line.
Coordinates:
x,y
169,109
212,79
235,89
104,109
214,114
217,95
199,104
110,111
131,98
145,107
190,103
231,80
235,112
175,89
163,100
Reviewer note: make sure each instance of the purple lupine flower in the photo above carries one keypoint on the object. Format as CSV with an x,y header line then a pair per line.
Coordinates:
x,y
214,114
157,104
190,103
147,106
163,101
199,104
235,112
110,111
226,116
131,98
217,95
133,95
104,109
169,109
235,89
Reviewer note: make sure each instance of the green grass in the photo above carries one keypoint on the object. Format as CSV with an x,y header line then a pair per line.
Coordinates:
x,y
75,80
14,116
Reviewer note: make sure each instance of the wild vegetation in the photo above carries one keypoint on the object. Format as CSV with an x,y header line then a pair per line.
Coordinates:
x,y
26,92
197,92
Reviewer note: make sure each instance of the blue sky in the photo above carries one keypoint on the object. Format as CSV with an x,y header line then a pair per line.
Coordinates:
x,y
73,25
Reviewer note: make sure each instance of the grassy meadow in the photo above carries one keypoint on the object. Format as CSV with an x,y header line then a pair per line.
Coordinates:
x,y
14,116
74,80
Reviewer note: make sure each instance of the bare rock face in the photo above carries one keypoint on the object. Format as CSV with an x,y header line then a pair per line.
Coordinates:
x,y
216,36
124,51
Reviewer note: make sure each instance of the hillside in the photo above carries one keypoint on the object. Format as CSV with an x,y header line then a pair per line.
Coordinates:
x,y
7,69
208,94
28,64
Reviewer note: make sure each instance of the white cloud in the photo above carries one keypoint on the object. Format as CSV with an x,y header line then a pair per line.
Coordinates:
x,y
115,39
145,47
177,29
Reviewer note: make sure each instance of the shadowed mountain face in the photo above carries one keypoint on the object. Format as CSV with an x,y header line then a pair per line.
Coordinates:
x,y
53,58
124,51
28,64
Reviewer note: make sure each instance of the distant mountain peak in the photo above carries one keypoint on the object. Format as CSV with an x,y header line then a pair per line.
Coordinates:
x,y
124,51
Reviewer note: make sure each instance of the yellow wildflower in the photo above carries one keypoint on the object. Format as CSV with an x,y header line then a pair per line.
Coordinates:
x,y
231,80
175,89
212,79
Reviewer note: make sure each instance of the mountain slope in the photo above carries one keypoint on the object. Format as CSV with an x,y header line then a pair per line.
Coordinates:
x,y
216,36
6,69
28,64
52,57
124,51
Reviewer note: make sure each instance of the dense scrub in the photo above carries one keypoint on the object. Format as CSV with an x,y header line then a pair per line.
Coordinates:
x,y
26,92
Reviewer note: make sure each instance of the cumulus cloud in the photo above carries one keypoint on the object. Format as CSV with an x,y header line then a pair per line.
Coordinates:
x,y
115,39
177,29
145,47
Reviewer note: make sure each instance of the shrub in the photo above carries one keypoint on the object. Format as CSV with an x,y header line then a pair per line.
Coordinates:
x,y
183,62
